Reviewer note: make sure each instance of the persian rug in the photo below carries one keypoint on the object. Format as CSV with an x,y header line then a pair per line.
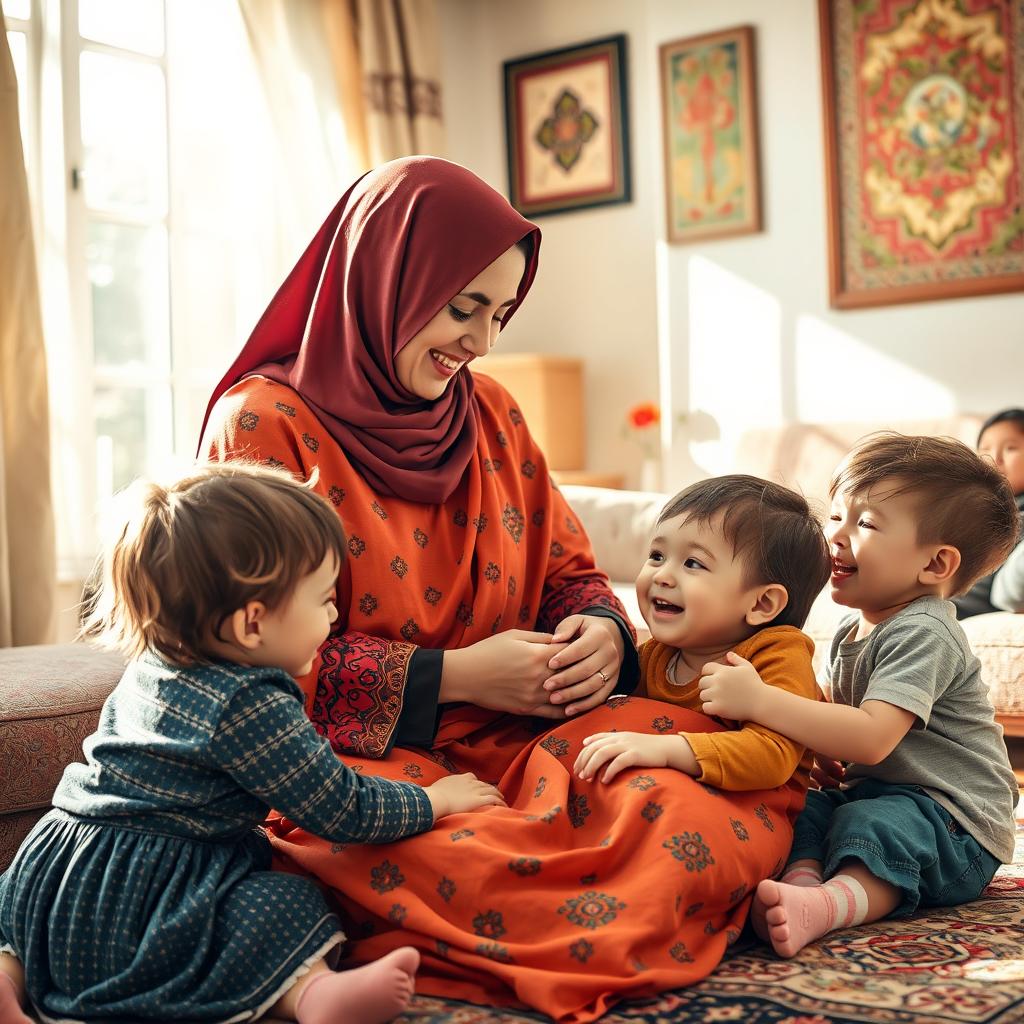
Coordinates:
x,y
957,965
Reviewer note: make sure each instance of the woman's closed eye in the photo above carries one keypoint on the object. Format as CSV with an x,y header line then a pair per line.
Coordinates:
x,y
866,524
462,316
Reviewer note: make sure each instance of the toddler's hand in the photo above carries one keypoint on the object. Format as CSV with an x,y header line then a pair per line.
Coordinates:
x,y
731,690
456,793
827,772
629,750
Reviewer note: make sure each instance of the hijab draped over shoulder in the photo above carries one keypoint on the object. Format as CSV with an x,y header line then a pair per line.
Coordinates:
x,y
399,244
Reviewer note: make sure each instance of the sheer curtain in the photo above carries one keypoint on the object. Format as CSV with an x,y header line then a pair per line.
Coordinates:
x,y
400,50
350,84
27,550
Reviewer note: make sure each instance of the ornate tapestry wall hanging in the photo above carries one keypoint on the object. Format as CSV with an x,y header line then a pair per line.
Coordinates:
x,y
567,128
709,125
924,148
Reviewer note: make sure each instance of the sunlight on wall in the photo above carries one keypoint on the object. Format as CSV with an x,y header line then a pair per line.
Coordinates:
x,y
842,379
735,364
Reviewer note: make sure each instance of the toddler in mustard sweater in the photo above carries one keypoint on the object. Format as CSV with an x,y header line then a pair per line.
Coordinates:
x,y
734,567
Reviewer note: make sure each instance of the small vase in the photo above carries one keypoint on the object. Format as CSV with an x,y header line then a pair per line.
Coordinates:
x,y
650,474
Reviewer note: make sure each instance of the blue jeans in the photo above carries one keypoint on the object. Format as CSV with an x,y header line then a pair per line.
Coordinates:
x,y
901,835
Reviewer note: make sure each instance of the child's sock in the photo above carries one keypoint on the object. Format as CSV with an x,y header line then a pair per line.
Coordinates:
x,y
10,1006
803,875
372,994
798,914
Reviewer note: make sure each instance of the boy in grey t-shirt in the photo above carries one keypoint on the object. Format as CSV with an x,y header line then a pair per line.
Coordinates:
x,y
924,812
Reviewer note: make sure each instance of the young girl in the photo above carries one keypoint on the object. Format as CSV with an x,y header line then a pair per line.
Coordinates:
x,y
146,893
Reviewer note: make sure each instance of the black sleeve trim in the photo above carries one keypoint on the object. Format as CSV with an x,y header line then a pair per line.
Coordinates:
x,y
417,724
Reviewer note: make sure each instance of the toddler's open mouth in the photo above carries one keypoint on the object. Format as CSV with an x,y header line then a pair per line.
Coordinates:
x,y
842,569
665,607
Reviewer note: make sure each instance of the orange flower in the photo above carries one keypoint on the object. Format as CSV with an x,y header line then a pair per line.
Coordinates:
x,y
644,415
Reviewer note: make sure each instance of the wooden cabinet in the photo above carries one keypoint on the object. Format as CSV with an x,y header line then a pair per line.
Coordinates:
x,y
585,478
549,393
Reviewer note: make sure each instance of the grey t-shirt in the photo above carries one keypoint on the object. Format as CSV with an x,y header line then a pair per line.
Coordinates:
x,y
919,660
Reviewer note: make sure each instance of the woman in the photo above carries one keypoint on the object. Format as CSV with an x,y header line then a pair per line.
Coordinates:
x,y
471,608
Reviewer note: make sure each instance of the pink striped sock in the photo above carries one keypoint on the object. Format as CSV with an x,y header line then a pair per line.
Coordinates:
x,y
849,901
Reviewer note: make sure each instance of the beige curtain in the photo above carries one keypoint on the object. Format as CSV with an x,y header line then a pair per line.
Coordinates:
x,y
349,84
27,550
400,53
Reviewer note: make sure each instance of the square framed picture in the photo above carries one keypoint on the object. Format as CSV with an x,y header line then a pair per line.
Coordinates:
x,y
924,149
709,125
567,128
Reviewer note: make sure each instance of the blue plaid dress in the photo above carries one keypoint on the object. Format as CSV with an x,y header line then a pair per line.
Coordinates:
x,y
146,894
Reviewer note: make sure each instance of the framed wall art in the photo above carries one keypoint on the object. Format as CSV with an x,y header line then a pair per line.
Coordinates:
x,y
709,126
567,128
924,148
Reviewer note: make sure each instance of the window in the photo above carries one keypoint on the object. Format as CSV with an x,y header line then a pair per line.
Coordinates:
x,y
154,184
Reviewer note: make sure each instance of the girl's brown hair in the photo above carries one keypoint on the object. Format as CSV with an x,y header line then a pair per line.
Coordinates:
x,y
191,554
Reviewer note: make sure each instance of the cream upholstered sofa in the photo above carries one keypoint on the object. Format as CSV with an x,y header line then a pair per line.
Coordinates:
x,y
802,456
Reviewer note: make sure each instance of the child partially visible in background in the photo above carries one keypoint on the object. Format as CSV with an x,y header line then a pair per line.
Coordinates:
x,y
1001,439
146,893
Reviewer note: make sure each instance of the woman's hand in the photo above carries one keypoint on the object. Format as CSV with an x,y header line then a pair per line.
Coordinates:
x,y
587,669
456,793
505,672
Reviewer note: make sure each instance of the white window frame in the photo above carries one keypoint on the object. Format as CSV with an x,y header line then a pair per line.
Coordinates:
x,y
160,415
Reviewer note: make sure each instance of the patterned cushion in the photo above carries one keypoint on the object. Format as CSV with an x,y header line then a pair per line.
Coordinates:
x,y
50,700
998,641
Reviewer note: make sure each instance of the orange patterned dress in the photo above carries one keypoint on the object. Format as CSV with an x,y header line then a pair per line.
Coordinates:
x,y
575,895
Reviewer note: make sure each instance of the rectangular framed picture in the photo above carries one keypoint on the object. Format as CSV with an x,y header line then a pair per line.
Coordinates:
x,y
567,128
924,149
709,126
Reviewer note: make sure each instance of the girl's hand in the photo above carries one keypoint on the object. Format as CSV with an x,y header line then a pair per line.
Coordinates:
x,y
586,670
732,690
504,672
633,750
456,793
827,772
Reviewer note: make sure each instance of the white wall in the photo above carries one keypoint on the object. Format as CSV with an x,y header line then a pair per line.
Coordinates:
x,y
748,336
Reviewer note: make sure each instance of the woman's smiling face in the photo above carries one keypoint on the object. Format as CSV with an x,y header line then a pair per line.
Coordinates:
x,y
465,328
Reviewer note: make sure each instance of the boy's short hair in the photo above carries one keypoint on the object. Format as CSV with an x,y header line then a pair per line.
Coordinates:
x,y
963,499
192,553
771,528
1005,416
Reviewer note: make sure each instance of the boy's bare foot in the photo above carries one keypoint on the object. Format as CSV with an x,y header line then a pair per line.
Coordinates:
x,y
10,1004
372,994
794,915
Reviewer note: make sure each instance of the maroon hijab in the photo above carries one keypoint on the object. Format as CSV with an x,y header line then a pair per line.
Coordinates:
x,y
402,241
